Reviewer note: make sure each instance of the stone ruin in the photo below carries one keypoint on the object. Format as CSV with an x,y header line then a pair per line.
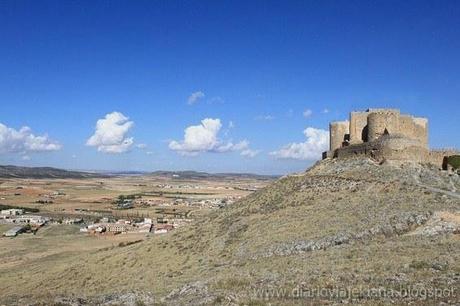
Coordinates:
x,y
384,134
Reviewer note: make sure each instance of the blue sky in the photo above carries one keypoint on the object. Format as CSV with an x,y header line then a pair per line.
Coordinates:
x,y
257,64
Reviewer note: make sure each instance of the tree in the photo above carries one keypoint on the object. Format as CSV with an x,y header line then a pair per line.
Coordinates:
x,y
454,161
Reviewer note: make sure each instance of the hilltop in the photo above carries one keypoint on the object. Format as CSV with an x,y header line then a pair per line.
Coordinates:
x,y
43,172
349,223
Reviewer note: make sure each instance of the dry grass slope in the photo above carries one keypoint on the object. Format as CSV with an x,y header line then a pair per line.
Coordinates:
x,y
341,224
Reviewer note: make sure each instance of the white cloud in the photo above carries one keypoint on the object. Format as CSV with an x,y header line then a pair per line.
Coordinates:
x,y
110,134
249,153
141,146
199,138
24,141
325,111
307,113
25,157
316,143
204,138
231,125
242,145
194,97
149,153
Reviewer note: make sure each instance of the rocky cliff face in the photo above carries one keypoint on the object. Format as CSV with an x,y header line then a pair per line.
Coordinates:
x,y
340,232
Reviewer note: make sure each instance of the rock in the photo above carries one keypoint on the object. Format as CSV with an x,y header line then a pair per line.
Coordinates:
x,y
134,298
440,225
196,293
396,225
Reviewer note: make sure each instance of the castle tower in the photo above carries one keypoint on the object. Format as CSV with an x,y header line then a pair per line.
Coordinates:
x,y
382,121
358,127
338,131
421,130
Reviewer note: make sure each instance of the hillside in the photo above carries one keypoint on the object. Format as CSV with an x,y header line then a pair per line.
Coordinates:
x,y
341,225
42,172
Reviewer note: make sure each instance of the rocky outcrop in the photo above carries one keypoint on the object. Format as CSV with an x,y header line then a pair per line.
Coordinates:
x,y
397,225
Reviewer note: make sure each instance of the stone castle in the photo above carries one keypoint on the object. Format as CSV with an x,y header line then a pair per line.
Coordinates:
x,y
384,134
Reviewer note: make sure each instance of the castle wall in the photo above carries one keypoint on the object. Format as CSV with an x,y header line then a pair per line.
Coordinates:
x,y
386,148
407,126
403,149
414,128
436,157
358,121
381,120
337,131
421,130
362,149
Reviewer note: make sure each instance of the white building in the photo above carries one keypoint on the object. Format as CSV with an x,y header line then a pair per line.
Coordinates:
x,y
12,212
72,221
13,232
29,219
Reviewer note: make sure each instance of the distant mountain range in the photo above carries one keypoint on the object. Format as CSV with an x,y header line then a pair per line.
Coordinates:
x,y
49,172
43,172
204,175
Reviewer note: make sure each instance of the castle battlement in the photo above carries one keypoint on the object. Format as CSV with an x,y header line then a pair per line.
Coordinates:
x,y
383,134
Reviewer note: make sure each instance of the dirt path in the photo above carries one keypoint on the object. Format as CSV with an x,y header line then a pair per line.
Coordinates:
x,y
449,193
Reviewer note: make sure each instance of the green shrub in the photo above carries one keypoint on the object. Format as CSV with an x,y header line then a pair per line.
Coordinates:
x,y
419,265
454,161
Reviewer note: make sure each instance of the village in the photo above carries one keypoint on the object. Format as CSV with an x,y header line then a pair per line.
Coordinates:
x,y
114,206
31,223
